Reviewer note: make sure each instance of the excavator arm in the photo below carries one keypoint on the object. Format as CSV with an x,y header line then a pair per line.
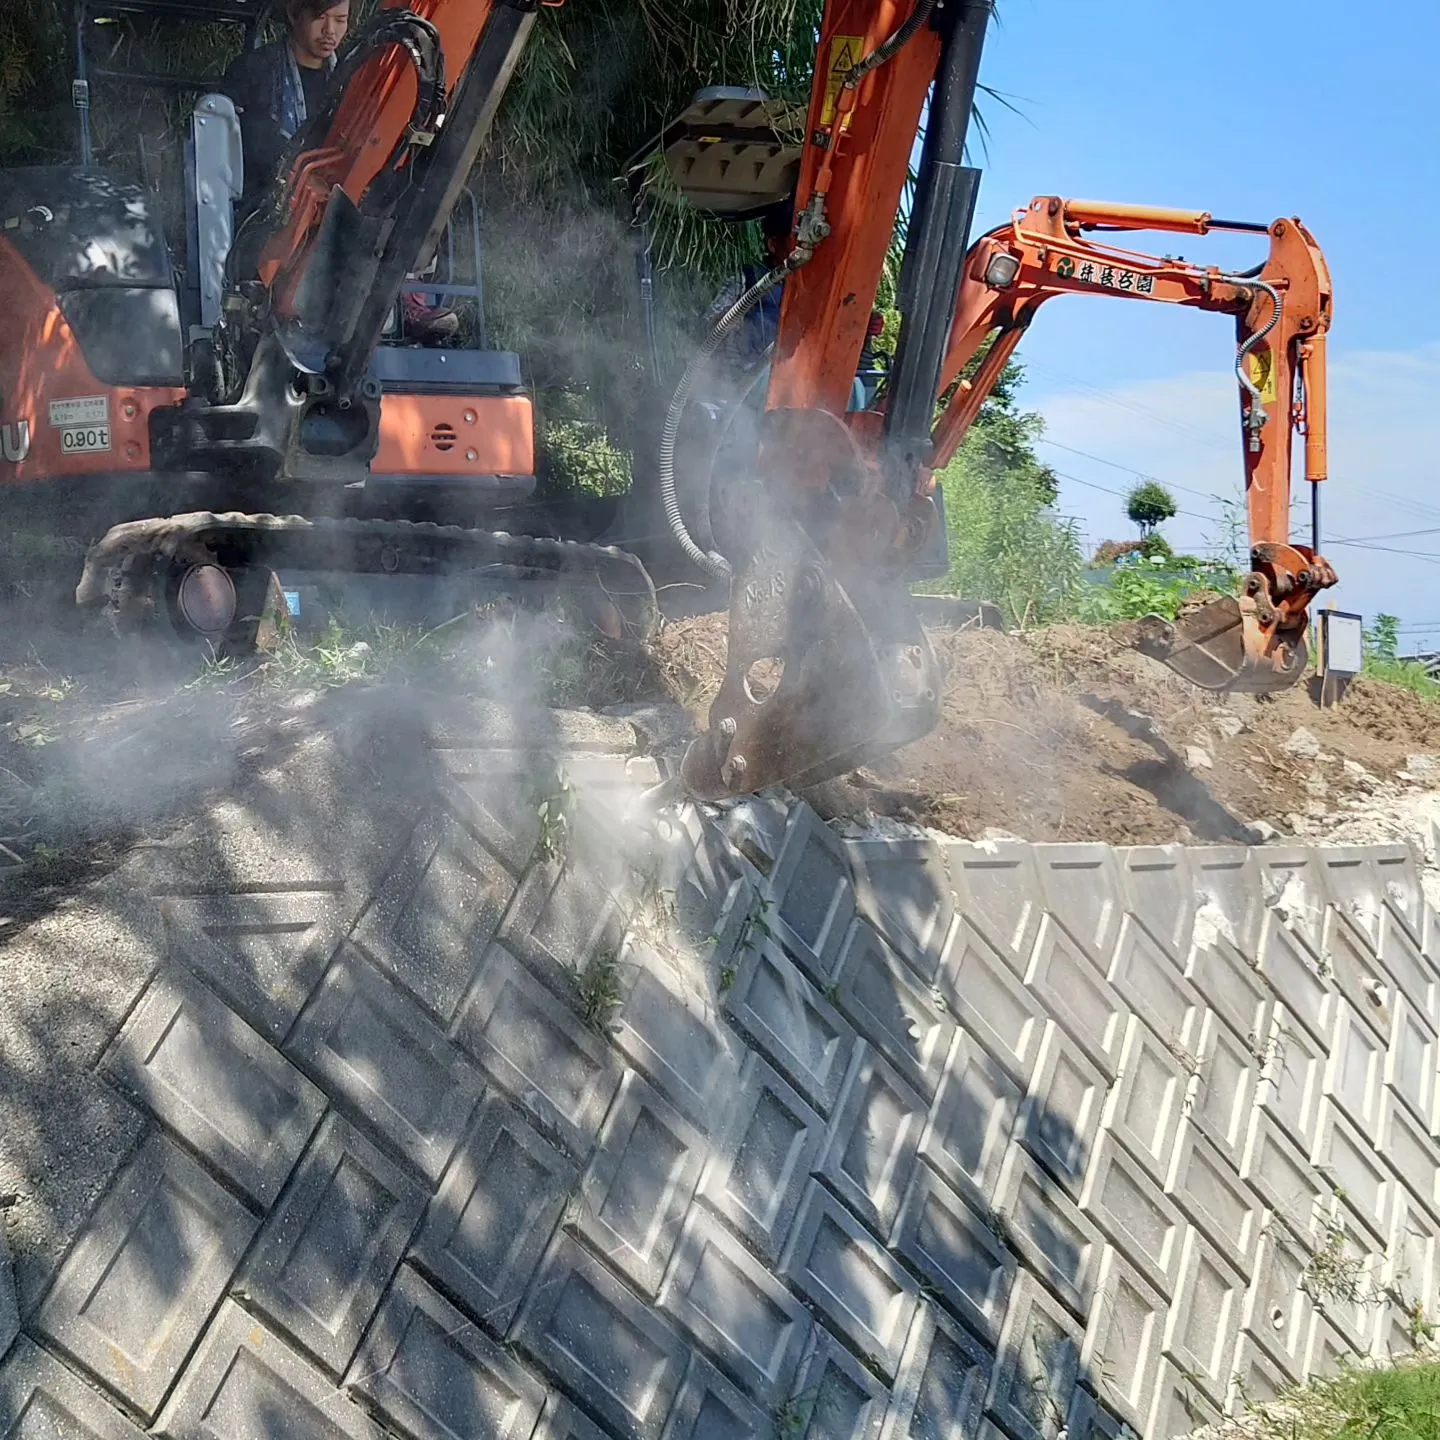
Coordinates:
x,y
1282,313
828,666
361,199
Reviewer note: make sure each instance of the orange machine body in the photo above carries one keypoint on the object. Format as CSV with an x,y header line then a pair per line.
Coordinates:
x,y
50,399
59,422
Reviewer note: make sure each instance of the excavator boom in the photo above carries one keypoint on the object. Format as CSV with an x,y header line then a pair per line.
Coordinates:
x,y
1282,311
828,665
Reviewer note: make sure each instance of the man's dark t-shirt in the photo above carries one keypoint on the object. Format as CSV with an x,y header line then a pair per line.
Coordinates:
x,y
253,83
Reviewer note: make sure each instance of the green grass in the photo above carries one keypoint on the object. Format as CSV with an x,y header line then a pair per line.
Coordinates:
x,y
1405,673
1402,1403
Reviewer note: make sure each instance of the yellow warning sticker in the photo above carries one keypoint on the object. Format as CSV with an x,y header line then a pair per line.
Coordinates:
x,y
1260,365
846,52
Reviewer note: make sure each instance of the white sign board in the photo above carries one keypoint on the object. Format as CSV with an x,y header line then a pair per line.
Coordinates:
x,y
1343,644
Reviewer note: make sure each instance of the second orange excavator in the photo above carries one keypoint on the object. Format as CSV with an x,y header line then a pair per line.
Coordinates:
x,y
1255,641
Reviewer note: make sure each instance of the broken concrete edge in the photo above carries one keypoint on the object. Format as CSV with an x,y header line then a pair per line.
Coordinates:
x,y
9,1299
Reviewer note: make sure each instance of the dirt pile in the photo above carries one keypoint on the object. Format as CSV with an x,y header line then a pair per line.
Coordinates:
x,y
1058,735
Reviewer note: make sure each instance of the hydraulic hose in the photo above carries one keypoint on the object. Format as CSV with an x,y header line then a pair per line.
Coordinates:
x,y
813,228
712,562
1255,420
887,49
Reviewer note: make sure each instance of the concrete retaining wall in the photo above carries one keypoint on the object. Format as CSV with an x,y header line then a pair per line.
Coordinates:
x,y
732,1127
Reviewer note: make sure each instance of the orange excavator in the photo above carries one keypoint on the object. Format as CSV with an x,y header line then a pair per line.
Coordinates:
x,y
228,435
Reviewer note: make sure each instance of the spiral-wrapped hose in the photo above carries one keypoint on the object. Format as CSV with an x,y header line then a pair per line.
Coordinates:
x,y
711,561
813,229
1255,420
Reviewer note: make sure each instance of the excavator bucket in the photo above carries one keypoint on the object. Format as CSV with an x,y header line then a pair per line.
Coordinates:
x,y
1221,646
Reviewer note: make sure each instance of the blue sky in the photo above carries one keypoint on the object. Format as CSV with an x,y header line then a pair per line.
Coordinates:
x,y
1295,107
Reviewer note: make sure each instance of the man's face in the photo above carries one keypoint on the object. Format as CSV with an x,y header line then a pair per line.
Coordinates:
x,y
318,39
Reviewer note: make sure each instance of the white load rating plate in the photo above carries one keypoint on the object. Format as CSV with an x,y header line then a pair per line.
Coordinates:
x,y
84,439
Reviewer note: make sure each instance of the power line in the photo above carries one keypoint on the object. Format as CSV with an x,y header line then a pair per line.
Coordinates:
x,y
1128,469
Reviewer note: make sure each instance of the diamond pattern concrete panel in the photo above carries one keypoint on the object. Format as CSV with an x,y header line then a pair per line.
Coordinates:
x,y
1413,973
495,793
944,1378
941,1238
244,1381
639,1184
1081,885
1296,974
378,1050
677,1040
755,1177
200,1070
533,1047
1257,1379
329,1247
881,997
1158,888
1292,1075
1181,1406
1147,981
1353,883
148,1268
1411,1253
41,1400
434,916
1223,1086
1230,984
1410,1066
971,1122
1077,995
1145,1104
834,1397
564,1421
263,951
1348,1157
872,1140
1205,1317
1404,1143
860,1291
1123,1203
736,1309
1038,1365
1206,1187
1229,903
903,890
1061,1114
1042,1225
1089,1420
997,885
435,1377
1292,881
863,1102
1327,1351
810,886
709,1407
805,1037
990,1002
487,1227
1358,974
561,913
1282,1175
613,1352
1121,1353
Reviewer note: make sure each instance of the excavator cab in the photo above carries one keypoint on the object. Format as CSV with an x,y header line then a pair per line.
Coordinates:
x,y
456,425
